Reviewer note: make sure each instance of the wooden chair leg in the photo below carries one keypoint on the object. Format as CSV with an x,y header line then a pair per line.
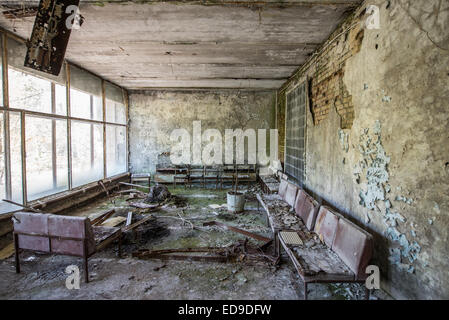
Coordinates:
x,y
305,291
16,249
277,246
85,257
86,269
119,252
367,293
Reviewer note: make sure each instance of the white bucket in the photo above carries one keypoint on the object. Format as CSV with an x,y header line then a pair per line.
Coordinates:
x,y
236,202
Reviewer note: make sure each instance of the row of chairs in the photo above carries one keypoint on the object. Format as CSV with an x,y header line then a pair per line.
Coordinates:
x,y
218,174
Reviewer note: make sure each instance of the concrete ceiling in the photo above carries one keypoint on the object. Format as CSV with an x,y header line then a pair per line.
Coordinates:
x,y
196,44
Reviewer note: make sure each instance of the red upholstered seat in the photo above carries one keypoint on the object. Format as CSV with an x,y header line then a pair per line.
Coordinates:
x,y
283,188
290,194
354,246
326,225
306,208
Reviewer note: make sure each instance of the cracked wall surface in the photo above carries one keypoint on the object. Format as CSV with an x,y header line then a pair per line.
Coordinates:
x,y
388,172
155,114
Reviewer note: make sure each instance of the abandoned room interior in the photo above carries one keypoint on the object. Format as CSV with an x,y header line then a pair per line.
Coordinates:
x,y
215,149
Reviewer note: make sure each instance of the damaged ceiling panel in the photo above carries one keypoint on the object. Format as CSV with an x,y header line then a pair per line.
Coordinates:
x,y
195,44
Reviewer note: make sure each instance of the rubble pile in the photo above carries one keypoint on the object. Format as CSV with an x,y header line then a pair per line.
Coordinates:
x,y
157,194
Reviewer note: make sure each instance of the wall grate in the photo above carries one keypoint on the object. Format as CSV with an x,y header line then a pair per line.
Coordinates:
x,y
295,133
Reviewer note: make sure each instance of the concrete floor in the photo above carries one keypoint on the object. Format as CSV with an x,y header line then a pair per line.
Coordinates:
x,y
43,276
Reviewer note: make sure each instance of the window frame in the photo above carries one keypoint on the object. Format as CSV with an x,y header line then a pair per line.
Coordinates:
x,y
6,110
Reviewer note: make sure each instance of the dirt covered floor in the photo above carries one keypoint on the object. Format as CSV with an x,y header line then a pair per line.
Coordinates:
x,y
177,224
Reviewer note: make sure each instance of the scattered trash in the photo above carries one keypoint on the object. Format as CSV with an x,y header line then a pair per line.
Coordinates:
x,y
290,220
143,205
241,251
112,222
218,206
158,193
148,289
159,268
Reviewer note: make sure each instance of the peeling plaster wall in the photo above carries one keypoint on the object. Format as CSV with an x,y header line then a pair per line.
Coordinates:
x,y
389,172
155,114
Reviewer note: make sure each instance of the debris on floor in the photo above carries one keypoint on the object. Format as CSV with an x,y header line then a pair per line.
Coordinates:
x,y
112,222
348,291
158,193
7,251
242,251
224,255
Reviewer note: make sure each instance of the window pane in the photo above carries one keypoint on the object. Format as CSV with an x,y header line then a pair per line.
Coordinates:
x,y
1,71
16,156
87,152
86,106
46,164
60,100
115,112
2,159
97,110
115,104
82,84
79,104
115,150
28,92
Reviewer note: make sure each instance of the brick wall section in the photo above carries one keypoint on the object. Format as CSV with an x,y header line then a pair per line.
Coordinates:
x,y
325,73
327,87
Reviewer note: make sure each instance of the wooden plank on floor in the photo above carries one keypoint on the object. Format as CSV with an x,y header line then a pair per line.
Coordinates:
x,y
112,222
129,218
7,251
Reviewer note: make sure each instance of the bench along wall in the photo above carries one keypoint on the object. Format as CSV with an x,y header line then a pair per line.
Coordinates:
x,y
155,114
377,138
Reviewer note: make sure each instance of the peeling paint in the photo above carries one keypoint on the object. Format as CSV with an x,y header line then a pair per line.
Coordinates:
x,y
374,163
343,137
404,199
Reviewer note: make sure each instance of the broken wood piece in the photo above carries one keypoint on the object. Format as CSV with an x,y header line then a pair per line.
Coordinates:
x,y
102,217
7,251
148,252
159,268
246,233
190,258
133,185
167,254
133,193
240,251
129,218
112,222
128,191
106,190
143,205
136,224
23,206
